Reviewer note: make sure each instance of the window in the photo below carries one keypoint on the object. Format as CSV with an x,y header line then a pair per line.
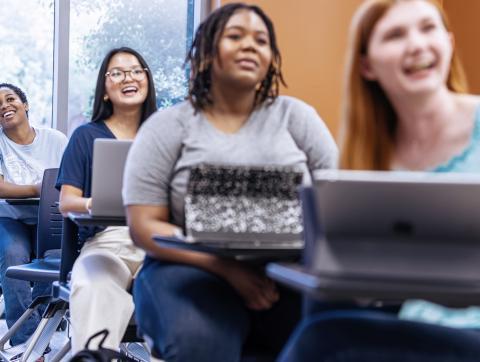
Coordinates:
x,y
160,30
27,53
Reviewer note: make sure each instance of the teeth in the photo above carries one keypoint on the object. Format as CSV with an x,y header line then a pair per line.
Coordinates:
x,y
8,114
420,66
128,89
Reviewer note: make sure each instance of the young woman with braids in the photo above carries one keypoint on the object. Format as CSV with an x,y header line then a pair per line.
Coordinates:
x,y
196,306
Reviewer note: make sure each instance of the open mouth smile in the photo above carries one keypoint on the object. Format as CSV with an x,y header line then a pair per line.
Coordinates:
x,y
130,90
420,66
8,115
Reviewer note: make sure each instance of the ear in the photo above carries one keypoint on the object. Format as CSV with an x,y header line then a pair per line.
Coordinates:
x,y
26,106
366,70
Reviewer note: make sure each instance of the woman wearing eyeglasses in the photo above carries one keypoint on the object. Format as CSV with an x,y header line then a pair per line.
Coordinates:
x,y
102,274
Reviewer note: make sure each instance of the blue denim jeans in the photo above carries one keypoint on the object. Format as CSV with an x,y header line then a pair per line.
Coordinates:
x,y
16,243
369,336
192,315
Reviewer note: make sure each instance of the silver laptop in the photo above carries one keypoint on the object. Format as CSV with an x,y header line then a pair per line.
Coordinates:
x,y
109,156
389,234
244,207
399,225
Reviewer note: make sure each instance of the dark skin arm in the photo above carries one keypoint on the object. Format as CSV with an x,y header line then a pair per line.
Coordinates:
x,y
258,291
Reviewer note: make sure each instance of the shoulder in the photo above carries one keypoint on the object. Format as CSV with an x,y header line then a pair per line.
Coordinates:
x,y
290,111
50,133
90,131
467,109
291,104
174,117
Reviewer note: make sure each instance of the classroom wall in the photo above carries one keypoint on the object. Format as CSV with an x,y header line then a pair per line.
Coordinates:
x,y
312,37
463,15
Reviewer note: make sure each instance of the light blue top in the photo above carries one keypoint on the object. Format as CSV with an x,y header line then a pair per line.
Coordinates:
x,y
423,311
469,159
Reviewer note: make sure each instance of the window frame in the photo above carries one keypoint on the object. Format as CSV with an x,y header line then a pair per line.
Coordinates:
x,y
201,8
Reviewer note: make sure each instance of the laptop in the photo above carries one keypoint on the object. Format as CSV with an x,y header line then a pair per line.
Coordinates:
x,y
109,156
390,234
231,209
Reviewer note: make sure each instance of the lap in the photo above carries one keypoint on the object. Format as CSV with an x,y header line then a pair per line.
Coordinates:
x,y
174,299
176,291
368,335
16,242
16,233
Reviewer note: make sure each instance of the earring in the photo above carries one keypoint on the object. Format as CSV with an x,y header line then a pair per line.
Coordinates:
x,y
105,98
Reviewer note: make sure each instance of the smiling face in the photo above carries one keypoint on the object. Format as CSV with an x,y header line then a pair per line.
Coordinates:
x,y
244,51
13,111
129,92
410,50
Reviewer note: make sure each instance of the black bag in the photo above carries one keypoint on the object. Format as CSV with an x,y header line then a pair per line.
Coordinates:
x,y
102,354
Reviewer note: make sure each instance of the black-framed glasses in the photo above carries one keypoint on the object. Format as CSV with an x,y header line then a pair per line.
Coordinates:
x,y
118,75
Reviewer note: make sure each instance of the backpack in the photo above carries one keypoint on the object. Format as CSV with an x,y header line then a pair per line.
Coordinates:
x,y
102,354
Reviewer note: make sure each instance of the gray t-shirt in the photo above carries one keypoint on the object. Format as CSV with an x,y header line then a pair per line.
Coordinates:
x,y
24,164
285,133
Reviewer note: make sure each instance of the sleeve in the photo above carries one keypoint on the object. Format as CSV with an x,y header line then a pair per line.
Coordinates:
x,y
151,161
62,142
58,143
74,161
312,136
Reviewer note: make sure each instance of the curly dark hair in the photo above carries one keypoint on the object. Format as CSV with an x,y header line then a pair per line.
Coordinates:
x,y
205,47
20,93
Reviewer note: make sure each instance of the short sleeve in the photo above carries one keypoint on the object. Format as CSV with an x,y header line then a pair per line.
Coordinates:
x,y
312,136
74,161
151,160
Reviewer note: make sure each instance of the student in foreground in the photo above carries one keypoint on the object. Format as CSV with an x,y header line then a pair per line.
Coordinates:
x,y
25,152
196,306
405,109
108,261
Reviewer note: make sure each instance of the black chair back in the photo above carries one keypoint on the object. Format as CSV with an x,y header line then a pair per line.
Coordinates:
x,y
49,229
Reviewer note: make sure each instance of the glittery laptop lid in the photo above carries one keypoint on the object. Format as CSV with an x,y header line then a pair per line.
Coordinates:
x,y
241,203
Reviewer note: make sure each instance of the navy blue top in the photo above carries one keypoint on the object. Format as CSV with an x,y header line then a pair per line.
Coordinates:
x,y
76,165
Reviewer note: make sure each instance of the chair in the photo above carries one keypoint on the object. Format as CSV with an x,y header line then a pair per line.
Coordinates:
x,y
61,291
45,268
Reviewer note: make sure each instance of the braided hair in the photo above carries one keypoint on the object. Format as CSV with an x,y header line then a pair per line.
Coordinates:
x,y
205,48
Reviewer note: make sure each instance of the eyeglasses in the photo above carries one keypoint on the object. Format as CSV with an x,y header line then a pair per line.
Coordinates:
x,y
118,75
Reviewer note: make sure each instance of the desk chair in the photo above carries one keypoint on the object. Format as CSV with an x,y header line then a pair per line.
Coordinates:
x,y
61,291
44,268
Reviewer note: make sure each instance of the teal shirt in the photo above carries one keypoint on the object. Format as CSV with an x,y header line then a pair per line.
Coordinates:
x,y
423,311
469,159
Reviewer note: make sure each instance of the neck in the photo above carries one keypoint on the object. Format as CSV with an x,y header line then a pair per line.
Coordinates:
x,y
421,117
231,101
124,123
23,134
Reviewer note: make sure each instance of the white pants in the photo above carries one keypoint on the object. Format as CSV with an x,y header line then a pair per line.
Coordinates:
x,y
101,277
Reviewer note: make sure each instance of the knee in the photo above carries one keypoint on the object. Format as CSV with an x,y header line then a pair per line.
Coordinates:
x,y
13,253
